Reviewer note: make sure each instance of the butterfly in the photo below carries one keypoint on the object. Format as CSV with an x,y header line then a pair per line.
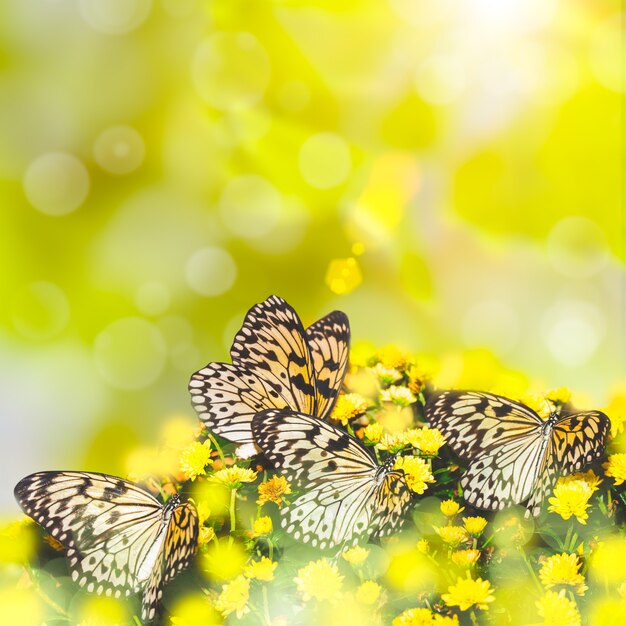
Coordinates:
x,y
276,364
120,539
514,456
345,494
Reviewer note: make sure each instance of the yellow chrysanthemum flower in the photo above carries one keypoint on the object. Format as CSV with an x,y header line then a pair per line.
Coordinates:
x,y
349,406
356,555
452,535
450,508
571,495
260,570
386,375
558,610
468,592
319,580
422,546
563,569
426,440
368,592
398,395
234,476
194,458
373,432
416,471
465,558
392,442
273,490
615,467
475,525
394,358
262,526
414,617
234,597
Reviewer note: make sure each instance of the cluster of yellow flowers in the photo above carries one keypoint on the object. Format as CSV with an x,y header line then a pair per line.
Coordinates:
x,y
449,565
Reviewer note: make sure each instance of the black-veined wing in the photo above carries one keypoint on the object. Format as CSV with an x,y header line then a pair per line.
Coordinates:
x,y
345,493
276,364
114,531
514,456
329,344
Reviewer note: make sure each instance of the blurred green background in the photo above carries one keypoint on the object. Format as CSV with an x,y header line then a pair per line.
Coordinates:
x,y
447,172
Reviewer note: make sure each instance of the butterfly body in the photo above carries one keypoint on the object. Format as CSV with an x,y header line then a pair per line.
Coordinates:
x,y
345,494
513,455
276,363
120,539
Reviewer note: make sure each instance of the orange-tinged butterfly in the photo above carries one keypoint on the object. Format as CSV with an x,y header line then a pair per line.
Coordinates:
x,y
277,363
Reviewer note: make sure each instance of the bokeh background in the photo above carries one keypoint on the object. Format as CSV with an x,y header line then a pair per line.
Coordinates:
x,y
447,172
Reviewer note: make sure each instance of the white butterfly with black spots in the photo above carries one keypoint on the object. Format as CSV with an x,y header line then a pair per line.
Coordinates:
x,y
120,539
344,494
514,455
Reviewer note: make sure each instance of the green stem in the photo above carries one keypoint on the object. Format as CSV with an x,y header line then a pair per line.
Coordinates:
x,y
531,571
44,596
231,509
218,448
473,618
266,607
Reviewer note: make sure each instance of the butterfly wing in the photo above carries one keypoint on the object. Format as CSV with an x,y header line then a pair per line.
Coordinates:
x,y
475,423
179,547
276,364
506,474
272,345
501,439
226,397
579,439
345,493
109,526
329,344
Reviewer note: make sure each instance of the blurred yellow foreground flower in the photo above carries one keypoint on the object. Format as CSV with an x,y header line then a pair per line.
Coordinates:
x,y
356,555
234,597
424,617
615,467
262,526
261,570
319,580
468,592
558,610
